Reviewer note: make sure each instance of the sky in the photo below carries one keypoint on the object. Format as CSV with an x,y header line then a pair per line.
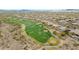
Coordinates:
x,y
39,4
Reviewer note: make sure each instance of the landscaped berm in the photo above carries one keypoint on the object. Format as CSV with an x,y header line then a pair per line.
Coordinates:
x,y
39,31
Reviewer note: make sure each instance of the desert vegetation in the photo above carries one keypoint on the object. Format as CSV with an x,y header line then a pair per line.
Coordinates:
x,y
39,30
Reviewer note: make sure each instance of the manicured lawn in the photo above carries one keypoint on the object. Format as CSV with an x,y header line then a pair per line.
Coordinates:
x,y
33,29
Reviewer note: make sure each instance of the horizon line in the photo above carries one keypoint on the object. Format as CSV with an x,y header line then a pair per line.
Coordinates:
x,y
39,9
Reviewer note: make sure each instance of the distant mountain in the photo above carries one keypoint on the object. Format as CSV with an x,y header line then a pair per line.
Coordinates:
x,y
72,10
66,10
26,10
